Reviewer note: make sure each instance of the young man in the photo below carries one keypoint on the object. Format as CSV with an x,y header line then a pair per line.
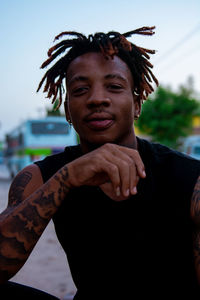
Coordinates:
x,y
126,211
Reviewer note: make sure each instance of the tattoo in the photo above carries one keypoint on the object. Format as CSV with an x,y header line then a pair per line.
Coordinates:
x,y
195,213
63,187
63,173
195,201
25,219
196,252
196,248
17,188
46,202
28,223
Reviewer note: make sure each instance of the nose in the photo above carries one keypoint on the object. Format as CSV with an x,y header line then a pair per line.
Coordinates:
x,y
98,98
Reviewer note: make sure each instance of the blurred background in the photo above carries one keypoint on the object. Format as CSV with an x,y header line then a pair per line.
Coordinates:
x,y
28,28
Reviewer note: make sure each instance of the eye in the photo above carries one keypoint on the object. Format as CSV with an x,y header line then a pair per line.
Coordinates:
x,y
115,87
79,91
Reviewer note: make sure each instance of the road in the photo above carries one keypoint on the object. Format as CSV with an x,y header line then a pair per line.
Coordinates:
x,y
47,267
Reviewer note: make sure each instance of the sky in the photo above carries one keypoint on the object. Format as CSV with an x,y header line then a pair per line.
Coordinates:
x,y
28,28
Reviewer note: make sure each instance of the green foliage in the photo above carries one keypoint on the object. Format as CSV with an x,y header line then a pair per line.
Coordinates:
x,y
167,116
53,111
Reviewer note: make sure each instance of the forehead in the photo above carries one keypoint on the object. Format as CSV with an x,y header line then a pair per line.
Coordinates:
x,y
94,63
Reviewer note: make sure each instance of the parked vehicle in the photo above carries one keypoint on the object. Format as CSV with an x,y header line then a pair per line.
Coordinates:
x,y
192,146
34,139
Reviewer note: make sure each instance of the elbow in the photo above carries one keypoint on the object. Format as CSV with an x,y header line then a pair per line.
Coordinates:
x,y
5,276
8,269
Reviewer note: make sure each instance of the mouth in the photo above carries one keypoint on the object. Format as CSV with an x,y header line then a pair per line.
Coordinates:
x,y
99,121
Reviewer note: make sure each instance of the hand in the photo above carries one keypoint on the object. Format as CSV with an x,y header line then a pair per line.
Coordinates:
x,y
117,165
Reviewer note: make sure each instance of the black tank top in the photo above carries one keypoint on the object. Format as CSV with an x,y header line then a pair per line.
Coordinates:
x,y
138,248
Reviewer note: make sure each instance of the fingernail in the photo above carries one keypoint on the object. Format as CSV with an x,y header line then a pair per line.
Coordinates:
x,y
134,190
118,191
144,173
127,193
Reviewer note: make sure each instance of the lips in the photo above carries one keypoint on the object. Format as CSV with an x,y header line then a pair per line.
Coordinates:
x,y
99,121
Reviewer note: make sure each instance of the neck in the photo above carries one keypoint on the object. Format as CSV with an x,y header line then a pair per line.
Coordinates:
x,y
88,147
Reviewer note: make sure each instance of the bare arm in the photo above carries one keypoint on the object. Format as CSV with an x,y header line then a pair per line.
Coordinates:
x,y
30,207
195,213
32,204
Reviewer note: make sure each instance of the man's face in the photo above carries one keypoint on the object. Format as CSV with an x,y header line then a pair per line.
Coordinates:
x,y
100,100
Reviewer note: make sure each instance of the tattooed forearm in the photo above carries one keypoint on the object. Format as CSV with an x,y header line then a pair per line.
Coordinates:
x,y
45,203
195,202
63,173
62,179
196,251
23,222
17,188
196,247
195,214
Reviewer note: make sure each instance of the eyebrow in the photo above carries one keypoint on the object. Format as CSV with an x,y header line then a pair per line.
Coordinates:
x,y
115,76
108,76
78,78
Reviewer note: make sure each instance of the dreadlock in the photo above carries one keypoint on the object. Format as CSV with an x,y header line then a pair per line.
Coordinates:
x,y
110,44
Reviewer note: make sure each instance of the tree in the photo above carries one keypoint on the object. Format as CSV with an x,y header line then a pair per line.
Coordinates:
x,y
167,116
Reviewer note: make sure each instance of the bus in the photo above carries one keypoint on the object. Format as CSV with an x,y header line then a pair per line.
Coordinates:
x,y
35,139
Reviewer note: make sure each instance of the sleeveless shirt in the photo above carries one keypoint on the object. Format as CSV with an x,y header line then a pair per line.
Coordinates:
x,y
137,248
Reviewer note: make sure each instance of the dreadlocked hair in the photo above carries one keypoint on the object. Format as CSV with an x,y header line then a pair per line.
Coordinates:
x,y
110,44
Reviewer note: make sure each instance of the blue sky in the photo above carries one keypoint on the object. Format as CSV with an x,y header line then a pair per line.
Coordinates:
x,y
28,28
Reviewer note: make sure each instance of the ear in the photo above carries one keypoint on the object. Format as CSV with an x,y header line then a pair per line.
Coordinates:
x,y
137,106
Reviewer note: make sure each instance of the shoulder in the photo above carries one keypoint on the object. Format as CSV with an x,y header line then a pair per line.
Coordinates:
x,y
24,184
179,169
164,154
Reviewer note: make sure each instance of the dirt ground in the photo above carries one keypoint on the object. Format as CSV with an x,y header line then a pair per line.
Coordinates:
x,y
47,267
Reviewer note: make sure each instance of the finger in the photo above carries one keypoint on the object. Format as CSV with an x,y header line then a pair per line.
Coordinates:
x,y
131,172
134,154
113,173
124,171
129,165
136,170
134,178
133,183
123,163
